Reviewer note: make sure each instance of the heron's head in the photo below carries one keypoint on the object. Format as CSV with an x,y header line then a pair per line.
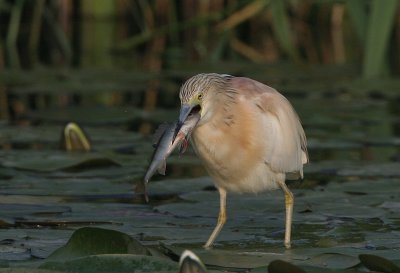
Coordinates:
x,y
198,95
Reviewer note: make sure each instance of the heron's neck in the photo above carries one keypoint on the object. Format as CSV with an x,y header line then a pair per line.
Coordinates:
x,y
218,111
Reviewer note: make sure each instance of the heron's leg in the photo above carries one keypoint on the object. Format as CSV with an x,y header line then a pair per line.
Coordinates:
x,y
221,218
289,201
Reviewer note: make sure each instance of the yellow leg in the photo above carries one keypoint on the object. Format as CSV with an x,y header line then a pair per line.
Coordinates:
x,y
289,201
221,218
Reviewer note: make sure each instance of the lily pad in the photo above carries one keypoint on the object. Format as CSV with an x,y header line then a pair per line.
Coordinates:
x,y
278,266
49,162
28,270
20,211
10,252
387,169
234,259
91,241
333,261
118,263
379,264
179,186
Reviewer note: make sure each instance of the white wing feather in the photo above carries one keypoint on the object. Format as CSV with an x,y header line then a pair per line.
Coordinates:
x,y
286,145
286,141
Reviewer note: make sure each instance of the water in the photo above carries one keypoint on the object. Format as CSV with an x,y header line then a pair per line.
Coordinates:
x,y
348,202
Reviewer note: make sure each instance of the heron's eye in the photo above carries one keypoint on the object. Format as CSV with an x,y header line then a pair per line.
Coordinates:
x,y
200,96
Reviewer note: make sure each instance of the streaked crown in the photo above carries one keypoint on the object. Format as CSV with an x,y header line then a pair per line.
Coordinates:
x,y
200,83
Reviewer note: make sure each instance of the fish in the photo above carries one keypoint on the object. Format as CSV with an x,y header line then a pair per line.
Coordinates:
x,y
168,141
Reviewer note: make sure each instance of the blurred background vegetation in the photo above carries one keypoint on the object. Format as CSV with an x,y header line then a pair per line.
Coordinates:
x,y
56,52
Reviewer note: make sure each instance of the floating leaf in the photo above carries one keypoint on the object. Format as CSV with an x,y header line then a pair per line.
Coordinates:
x,y
11,252
279,266
91,241
312,269
74,138
27,270
333,261
121,263
177,186
49,162
380,264
228,259
385,169
21,211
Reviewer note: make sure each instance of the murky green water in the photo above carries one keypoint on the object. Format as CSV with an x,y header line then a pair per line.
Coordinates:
x,y
348,203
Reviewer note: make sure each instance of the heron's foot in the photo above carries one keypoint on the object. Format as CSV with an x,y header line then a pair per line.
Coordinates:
x,y
207,246
288,245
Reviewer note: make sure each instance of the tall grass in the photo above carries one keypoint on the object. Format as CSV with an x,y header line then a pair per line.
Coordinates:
x,y
307,32
379,27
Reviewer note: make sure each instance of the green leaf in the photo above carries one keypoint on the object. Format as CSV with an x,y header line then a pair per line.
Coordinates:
x,y
380,264
27,270
358,14
312,269
333,261
380,24
229,259
279,266
74,138
281,26
49,162
121,263
91,241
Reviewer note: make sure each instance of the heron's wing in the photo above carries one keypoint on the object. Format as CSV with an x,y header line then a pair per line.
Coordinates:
x,y
287,144
285,140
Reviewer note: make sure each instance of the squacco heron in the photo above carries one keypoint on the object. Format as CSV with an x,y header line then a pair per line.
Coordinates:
x,y
249,138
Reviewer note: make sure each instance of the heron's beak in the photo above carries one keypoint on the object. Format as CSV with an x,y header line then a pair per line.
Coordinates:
x,y
183,114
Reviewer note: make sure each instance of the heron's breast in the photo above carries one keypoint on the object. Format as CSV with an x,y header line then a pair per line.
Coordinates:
x,y
229,150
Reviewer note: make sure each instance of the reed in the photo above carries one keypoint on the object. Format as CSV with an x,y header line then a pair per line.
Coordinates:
x,y
261,31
